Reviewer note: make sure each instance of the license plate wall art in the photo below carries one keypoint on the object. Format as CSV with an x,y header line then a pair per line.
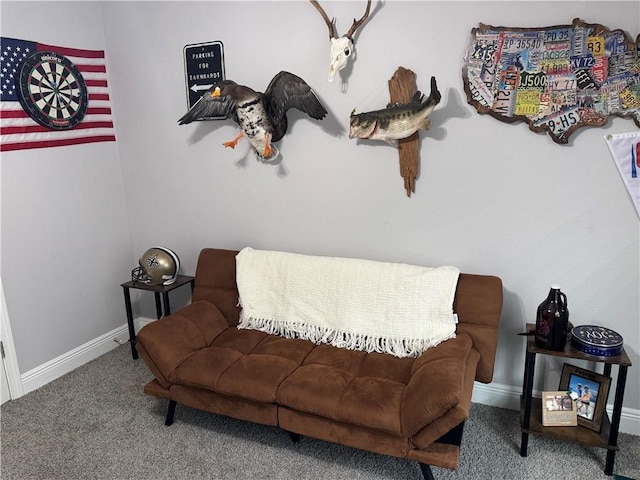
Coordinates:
x,y
557,79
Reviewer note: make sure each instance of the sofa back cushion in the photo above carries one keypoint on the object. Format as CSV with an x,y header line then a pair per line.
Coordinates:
x,y
216,281
478,304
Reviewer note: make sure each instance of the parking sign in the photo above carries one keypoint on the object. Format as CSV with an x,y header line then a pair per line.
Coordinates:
x,y
203,68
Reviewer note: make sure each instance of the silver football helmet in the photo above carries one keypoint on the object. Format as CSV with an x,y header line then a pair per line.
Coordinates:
x,y
158,266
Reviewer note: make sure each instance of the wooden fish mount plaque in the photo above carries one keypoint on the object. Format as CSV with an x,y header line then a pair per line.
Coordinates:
x,y
557,79
402,88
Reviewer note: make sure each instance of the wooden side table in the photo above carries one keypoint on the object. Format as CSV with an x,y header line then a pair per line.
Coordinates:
x,y
531,412
157,290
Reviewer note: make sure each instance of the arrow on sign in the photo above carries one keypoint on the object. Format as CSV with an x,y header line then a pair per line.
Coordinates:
x,y
196,87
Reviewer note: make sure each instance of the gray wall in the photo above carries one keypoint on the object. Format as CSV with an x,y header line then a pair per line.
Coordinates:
x,y
66,243
491,197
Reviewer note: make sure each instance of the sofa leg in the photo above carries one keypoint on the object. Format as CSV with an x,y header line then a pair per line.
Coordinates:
x,y
426,471
453,436
171,410
295,437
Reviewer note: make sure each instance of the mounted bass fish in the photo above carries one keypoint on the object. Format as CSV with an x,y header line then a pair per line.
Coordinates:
x,y
398,120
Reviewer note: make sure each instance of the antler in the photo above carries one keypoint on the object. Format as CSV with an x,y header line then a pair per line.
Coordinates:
x,y
357,23
330,23
342,48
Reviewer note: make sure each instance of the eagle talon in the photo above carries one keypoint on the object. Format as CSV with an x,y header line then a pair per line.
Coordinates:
x,y
273,155
234,142
267,152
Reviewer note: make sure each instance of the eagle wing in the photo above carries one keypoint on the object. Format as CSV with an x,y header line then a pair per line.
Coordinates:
x,y
208,107
286,91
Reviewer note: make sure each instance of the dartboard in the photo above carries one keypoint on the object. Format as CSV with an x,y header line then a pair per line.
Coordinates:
x,y
52,90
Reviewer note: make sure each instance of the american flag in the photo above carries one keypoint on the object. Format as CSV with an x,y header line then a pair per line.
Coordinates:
x,y
624,149
17,129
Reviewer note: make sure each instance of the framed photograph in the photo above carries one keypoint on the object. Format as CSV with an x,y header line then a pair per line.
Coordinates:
x,y
590,391
559,409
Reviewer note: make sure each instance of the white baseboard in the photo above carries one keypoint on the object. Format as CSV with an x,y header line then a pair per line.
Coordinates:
x,y
65,363
493,394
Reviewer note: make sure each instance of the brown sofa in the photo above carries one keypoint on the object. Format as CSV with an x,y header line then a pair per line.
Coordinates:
x,y
411,408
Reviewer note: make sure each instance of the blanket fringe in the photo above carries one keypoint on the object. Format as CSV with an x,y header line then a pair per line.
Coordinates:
x,y
398,347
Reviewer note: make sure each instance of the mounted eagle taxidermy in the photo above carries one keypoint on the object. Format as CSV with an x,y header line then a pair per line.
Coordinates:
x,y
262,117
398,120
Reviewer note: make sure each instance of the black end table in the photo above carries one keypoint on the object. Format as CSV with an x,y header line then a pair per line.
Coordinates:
x,y
157,290
531,412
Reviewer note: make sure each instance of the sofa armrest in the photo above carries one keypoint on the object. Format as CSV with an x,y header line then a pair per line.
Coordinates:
x,y
167,342
436,384
478,304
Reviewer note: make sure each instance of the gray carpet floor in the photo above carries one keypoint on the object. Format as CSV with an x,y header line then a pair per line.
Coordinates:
x,y
96,423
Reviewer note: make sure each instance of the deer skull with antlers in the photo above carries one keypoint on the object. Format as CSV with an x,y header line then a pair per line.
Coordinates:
x,y
342,48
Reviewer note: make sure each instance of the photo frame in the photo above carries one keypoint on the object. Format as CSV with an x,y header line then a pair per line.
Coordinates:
x,y
590,390
559,409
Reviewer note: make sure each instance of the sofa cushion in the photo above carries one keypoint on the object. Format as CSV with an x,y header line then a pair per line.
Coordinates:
x,y
376,390
167,342
243,363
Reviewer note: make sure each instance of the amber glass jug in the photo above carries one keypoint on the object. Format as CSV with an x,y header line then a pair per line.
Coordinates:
x,y
552,321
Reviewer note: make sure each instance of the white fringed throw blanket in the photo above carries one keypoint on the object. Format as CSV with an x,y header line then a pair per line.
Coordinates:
x,y
356,304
